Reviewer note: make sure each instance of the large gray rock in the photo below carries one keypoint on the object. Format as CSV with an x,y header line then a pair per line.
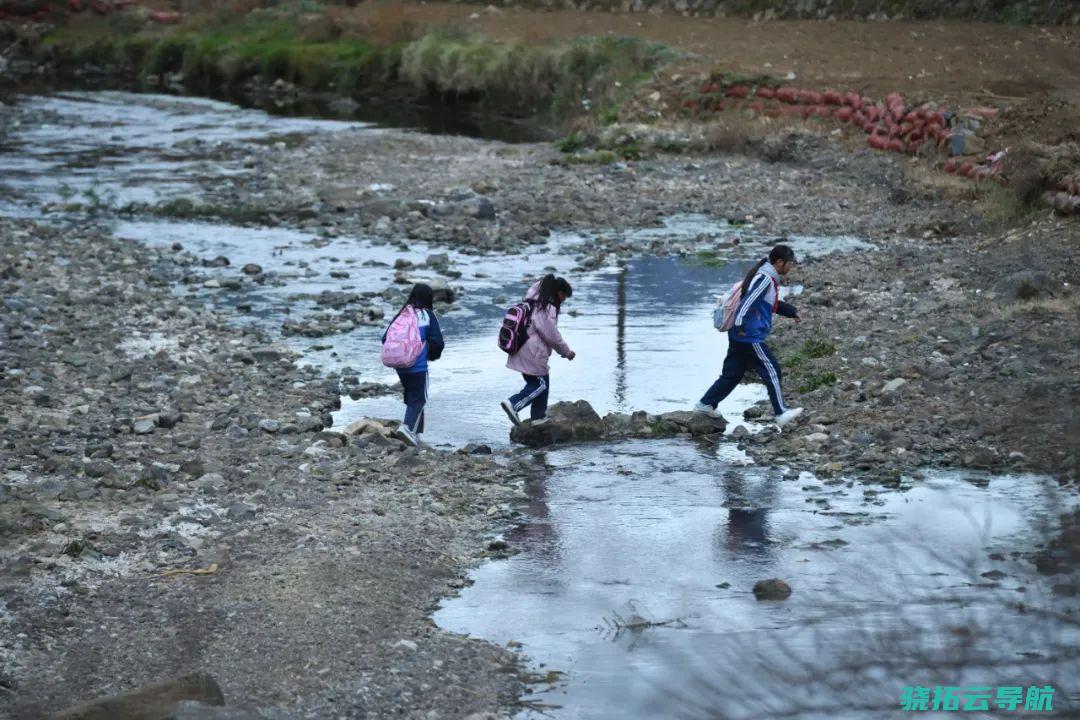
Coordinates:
x,y
151,702
567,422
685,421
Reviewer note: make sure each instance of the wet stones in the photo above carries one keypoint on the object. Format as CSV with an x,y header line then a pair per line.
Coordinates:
x,y
771,589
252,269
218,262
578,421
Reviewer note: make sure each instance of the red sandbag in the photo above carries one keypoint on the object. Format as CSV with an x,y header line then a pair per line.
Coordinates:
x,y
950,165
853,100
911,117
906,127
843,114
765,92
707,88
737,91
99,7
809,97
873,113
916,137
896,145
774,112
894,97
165,18
787,94
794,110
878,142
822,111
832,97
75,5
965,169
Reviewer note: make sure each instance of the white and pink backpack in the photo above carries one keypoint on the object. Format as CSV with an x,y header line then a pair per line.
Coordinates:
x,y
727,308
403,344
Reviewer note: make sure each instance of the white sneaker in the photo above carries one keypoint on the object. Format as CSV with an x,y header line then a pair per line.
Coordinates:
x,y
707,409
511,413
787,416
539,421
406,435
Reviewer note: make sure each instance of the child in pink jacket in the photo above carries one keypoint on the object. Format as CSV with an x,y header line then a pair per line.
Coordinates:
x,y
547,297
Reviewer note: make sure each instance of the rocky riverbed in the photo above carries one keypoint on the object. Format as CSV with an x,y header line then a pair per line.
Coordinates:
x,y
171,502
949,343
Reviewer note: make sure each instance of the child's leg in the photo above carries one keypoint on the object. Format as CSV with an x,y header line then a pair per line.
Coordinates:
x,y
768,368
540,402
734,368
534,387
415,386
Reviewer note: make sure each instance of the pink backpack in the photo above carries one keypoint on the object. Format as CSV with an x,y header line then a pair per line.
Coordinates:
x,y
402,345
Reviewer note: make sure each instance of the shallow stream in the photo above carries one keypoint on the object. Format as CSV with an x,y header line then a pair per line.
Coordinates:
x,y
637,559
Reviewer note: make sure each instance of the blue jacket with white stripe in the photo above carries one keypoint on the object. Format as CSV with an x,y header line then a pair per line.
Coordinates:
x,y
753,322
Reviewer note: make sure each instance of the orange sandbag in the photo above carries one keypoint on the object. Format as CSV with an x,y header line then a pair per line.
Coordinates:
x,y
765,92
896,145
853,100
832,97
843,114
878,142
809,97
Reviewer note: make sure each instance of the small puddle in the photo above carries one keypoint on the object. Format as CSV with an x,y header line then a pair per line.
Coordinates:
x,y
677,534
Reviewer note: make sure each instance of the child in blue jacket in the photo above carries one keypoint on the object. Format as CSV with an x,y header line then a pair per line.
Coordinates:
x,y
414,379
746,339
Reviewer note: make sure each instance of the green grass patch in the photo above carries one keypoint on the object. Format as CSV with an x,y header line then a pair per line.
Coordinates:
x,y
597,157
816,348
572,143
219,52
815,381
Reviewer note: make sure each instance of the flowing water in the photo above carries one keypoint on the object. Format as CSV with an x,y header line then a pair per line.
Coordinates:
x,y
633,581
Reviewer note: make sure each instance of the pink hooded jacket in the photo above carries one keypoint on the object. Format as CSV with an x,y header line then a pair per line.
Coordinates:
x,y
544,336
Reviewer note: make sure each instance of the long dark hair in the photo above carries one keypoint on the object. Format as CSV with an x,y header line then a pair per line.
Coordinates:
x,y
421,297
777,254
550,287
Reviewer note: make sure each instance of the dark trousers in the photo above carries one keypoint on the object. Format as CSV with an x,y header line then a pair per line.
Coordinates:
x,y
416,390
740,356
534,394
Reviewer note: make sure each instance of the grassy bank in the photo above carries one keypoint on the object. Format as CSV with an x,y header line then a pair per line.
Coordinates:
x,y
320,53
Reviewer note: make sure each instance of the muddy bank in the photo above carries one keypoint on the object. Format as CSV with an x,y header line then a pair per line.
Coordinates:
x,y
144,435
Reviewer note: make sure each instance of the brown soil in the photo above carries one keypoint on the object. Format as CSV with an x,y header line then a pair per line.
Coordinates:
x,y
1033,70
